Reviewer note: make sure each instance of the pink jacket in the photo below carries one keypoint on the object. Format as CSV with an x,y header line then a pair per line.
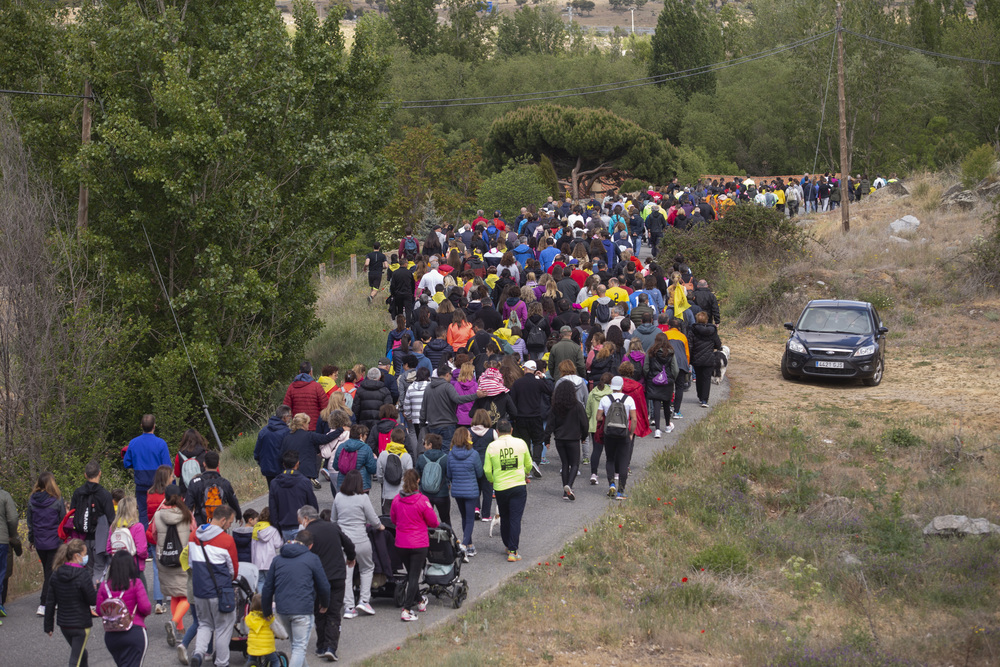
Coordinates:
x,y
135,598
412,515
141,545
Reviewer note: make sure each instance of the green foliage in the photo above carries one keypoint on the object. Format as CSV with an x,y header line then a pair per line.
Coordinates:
x,y
698,247
878,297
530,30
469,37
687,36
515,186
887,533
978,164
749,231
241,449
632,185
587,143
415,22
760,304
901,436
984,265
547,176
724,558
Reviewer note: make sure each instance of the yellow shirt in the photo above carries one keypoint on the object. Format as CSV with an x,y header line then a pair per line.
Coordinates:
x,y
260,637
779,196
617,294
491,280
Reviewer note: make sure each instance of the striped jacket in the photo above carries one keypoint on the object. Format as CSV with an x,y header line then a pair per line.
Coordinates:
x,y
212,552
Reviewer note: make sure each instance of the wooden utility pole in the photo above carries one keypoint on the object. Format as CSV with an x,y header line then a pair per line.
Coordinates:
x,y
84,204
845,165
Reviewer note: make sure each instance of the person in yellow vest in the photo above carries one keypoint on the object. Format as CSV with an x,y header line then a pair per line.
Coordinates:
x,y
507,465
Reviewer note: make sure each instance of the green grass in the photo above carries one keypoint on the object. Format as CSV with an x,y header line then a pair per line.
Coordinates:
x,y
354,331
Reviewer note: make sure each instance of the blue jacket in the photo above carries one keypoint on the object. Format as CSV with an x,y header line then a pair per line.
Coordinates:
x,y
522,254
216,558
367,463
267,452
145,454
297,575
465,469
547,256
442,458
289,491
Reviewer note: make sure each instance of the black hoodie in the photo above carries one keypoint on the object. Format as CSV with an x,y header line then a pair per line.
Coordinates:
x,y
73,593
289,491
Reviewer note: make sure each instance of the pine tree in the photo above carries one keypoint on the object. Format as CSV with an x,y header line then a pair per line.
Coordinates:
x,y
687,36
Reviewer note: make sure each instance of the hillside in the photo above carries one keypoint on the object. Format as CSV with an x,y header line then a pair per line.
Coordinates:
x,y
786,527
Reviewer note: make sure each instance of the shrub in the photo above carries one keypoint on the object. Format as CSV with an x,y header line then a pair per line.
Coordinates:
x,y
901,437
632,185
721,558
698,248
984,267
547,176
879,298
978,164
517,185
757,304
755,232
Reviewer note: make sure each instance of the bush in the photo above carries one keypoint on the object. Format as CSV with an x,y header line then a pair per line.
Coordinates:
x,y
879,298
721,558
632,185
760,304
698,248
901,437
984,268
516,186
547,176
752,232
978,164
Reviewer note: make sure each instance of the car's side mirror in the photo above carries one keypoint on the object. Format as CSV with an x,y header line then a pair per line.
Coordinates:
x,y
883,330
789,326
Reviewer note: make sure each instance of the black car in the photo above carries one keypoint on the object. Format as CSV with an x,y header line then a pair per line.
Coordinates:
x,y
836,339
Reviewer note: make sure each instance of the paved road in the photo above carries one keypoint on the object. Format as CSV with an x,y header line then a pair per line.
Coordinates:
x,y
549,523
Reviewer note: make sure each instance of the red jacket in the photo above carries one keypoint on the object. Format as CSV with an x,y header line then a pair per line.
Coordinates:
x,y
638,393
306,395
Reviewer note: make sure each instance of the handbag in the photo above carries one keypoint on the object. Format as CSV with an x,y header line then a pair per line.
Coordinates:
x,y
278,629
662,379
227,602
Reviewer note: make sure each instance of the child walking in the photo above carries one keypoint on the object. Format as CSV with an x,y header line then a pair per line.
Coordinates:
x,y
72,594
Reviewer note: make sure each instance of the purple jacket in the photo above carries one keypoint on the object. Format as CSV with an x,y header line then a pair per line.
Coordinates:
x,y
135,598
464,410
44,515
519,307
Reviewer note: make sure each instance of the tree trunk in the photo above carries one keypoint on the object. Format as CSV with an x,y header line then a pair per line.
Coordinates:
x,y
573,179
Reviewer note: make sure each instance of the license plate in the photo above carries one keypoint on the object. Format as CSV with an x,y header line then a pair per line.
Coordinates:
x,y
829,364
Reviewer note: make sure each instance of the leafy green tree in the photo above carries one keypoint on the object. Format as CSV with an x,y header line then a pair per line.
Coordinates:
x,y
589,144
687,36
547,175
244,154
530,30
515,186
470,32
416,24
584,6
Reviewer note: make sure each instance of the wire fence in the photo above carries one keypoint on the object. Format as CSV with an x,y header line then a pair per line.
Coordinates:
x,y
344,269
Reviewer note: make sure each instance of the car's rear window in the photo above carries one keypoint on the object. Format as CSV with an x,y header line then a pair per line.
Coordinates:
x,y
827,319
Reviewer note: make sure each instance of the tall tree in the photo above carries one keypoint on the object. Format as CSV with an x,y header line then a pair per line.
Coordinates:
x,y
687,36
585,144
416,24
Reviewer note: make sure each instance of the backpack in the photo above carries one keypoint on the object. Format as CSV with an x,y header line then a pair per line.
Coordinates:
x,y
616,418
410,246
212,497
513,320
121,539
190,468
383,440
430,481
491,233
536,338
348,461
170,554
85,519
393,473
349,396
115,615
601,312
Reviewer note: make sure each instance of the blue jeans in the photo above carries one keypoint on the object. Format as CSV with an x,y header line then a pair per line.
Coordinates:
x,y
4,555
299,628
510,507
288,534
157,595
637,244
445,432
140,500
467,508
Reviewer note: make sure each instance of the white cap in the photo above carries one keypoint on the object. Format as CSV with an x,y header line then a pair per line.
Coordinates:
x,y
617,383
530,365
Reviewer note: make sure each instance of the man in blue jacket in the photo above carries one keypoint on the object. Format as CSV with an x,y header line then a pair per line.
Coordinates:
x,y
288,492
267,452
144,455
297,581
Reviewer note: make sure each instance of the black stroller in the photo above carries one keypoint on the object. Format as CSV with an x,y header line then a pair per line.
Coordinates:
x,y
245,587
390,575
442,574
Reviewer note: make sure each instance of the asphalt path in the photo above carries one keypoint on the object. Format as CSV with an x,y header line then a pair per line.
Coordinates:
x,y
549,523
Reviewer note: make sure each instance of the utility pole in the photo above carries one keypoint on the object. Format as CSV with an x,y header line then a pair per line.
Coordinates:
x,y
84,203
633,19
845,164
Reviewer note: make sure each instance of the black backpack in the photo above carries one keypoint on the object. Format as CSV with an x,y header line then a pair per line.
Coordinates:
x,y
170,554
410,246
393,474
616,419
86,515
601,312
536,338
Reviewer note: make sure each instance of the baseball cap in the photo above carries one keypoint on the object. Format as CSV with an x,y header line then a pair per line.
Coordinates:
x,y
530,365
617,383
384,361
566,329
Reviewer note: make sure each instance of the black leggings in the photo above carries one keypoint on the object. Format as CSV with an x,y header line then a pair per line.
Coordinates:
x,y
443,506
703,382
595,454
46,556
656,413
619,454
413,561
77,638
569,454
678,395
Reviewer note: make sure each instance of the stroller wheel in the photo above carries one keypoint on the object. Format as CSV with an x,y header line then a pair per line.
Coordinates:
x,y
399,594
461,593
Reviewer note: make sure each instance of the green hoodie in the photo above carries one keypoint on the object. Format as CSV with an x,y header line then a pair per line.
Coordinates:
x,y
508,462
593,400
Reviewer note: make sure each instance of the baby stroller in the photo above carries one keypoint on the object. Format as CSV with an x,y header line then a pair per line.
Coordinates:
x,y
245,587
444,566
390,575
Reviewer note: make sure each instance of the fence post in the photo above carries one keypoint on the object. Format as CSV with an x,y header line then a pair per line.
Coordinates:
x,y
354,267
322,271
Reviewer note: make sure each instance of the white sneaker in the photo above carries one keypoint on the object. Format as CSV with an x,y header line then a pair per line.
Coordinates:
x,y
408,615
422,605
657,434
351,613
365,607
668,428
593,480
40,611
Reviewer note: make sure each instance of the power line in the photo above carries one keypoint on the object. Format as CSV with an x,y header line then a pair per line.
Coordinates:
x,y
822,115
532,97
698,70
934,54
29,92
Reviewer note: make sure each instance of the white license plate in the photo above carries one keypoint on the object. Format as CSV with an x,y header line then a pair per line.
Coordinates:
x,y
829,364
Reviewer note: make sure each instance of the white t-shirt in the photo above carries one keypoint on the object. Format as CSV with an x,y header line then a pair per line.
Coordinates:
x,y
430,281
574,218
605,403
